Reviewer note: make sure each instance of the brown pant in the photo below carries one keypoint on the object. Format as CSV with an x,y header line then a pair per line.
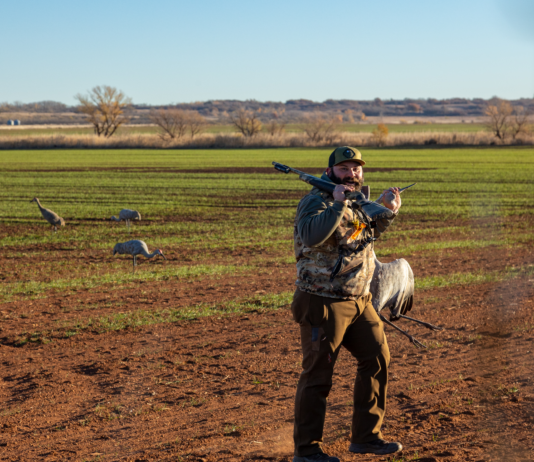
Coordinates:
x,y
325,325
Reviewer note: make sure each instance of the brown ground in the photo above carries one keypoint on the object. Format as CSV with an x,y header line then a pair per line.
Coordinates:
x,y
222,388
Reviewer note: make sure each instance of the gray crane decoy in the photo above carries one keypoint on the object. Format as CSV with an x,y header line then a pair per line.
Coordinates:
x,y
127,215
392,287
53,218
135,248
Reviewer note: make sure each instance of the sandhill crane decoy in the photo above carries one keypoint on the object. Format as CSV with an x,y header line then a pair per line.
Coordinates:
x,y
127,215
135,248
392,287
53,218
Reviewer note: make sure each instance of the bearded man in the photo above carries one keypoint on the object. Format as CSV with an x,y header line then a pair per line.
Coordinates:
x,y
335,312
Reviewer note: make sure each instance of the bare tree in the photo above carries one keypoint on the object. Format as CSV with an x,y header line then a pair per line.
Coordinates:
x,y
499,118
171,123
104,105
320,128
195,123
519,121
504,120
246,122
276,127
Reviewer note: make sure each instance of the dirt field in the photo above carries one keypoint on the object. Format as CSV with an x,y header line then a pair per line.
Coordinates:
x,y
197,358
221,388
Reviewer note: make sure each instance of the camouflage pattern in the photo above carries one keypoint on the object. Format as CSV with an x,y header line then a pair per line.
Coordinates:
x,y
315,264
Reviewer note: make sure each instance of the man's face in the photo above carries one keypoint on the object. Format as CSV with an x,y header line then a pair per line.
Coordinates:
x,y
349,173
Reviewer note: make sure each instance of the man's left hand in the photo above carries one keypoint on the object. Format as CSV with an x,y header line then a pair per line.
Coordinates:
x,y
395,204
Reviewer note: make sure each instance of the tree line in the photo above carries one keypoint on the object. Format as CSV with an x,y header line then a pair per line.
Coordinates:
x,y
107,108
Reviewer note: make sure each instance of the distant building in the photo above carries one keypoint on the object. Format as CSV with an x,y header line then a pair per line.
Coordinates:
x,y
10,122
16,122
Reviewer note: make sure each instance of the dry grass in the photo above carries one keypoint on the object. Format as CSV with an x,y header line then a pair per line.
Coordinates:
x,y
261,140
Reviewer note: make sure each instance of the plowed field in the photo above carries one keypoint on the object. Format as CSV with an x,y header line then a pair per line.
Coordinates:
x,y
197,358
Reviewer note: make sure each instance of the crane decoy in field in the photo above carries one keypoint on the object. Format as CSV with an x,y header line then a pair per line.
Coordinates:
x,y
127,215
392,287
53,218
135,248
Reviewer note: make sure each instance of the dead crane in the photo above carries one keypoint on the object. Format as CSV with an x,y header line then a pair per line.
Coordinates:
x,y
53,218
392,287
127,215
135,248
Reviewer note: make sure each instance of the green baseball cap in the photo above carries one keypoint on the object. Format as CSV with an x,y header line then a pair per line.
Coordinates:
x,y
343,154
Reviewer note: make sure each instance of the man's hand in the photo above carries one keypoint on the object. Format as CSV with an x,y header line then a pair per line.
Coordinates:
x,y
391,199
339,192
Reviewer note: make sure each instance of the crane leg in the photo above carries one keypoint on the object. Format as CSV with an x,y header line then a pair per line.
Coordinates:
x,y
134,263
412,339
426,324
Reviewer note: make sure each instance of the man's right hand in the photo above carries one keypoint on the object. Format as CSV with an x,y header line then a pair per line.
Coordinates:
x,y
339,192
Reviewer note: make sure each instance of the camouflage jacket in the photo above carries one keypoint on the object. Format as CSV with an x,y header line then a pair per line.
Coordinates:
x,y
324,228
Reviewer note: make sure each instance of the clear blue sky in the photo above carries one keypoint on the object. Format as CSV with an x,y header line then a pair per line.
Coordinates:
x,y
166,51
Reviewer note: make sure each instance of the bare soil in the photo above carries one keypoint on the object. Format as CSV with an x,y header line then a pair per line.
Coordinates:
x,y
222,388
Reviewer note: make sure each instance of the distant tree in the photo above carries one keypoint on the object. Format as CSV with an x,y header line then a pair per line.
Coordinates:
x,y
104,105
276,127
246,122
414,107
172,123
195,123
380,133
349,115
40,106
320,128
278,113
499,114
520,122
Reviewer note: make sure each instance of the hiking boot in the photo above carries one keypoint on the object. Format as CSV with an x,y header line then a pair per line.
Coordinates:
x,y
375,447
319,457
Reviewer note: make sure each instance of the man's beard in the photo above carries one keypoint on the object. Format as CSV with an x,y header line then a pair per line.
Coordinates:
x,y
347,181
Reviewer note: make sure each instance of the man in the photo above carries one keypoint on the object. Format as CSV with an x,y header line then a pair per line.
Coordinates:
x,y
338,312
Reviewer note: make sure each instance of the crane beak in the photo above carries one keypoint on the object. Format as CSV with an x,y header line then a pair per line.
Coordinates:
x,y
161,253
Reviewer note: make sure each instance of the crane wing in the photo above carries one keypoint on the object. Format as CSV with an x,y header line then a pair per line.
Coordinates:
x,y
403,302
392,287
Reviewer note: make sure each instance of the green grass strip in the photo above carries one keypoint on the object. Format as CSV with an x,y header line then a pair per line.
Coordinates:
x,y
408,249
261,303
139,318
117,279
456,279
